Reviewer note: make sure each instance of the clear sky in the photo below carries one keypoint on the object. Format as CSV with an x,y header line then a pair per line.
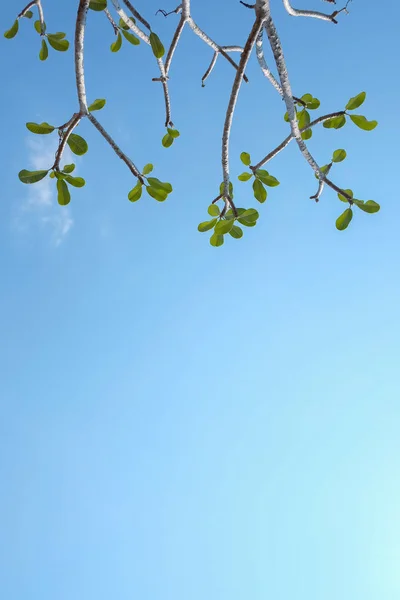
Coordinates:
x,y
186,422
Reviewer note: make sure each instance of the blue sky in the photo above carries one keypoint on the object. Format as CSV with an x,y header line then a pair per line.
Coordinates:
x,y
179,421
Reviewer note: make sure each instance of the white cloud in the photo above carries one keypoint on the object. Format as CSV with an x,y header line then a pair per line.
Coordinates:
x,y
40,207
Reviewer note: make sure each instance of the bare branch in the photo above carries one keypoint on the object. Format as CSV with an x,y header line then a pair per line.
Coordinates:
x,y
113,23
132,167
136,14
79,55
251,40
314,13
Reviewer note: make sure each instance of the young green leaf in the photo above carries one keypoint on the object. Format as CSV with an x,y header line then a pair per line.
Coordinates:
x,y
343,221
157,193
12,32
147,169
38,27
213,210
245,158
249,217
156,45
28,14
355,102
136,192
173,132
206,225
369,206
97,104
159,185
57,44
77,144
98,5
266,178
303,118
236,232
167,140
307,134
130,37
335,122
339,155
260,193
75,181
31,176
115,46
307,98
68,168
245,176
363,123
44,51
224,226
40,128
314,104
60,35
63,195
216,240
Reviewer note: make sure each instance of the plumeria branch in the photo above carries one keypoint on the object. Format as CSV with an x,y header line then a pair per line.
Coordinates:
x,y
39,7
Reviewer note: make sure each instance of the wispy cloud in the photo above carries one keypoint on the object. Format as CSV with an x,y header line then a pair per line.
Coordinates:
x,y
40,207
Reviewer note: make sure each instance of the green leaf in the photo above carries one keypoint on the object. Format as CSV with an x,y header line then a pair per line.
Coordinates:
x,y
343,198
343,221
59,45
157,193
245,158
339,155
249,217
236,232
115,46
44,51
38,27
52,175
307,98
245,176
216,240
136,192
303,118
260,193
314,104
363,123
356,101
12,32
75,181
159,185
173,132
60,35
97,104
230,214
156,45
68,168
28,14
286,117
131,38
147,169
224,226
369,207
77,144
266,178
167,140
58,174
98,5
63,195
307,134
335,122
213,210
206,225
40,128
31,176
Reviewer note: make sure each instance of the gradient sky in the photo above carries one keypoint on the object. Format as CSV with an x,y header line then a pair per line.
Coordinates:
x,y
179,421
